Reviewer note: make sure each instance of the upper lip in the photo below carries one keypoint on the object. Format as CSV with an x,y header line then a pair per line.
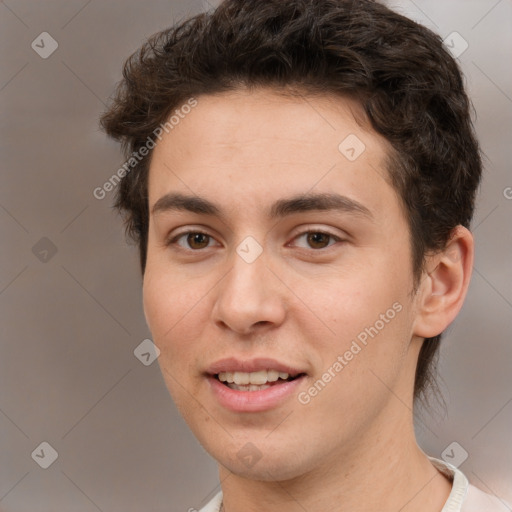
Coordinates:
x,y
232,364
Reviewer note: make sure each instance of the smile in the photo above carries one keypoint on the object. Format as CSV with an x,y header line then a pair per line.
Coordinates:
x,y
253,381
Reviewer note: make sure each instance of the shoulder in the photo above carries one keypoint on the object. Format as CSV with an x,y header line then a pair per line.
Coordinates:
x,y
479,501
214,504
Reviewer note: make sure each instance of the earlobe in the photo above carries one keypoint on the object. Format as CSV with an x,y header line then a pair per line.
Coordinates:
x,y
444,284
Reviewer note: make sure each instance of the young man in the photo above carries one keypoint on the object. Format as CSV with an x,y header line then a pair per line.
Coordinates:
x,y
301,180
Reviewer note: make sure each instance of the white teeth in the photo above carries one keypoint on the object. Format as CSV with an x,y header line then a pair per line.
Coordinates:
x,y
242,378
273,375
257,378
226,377
253,378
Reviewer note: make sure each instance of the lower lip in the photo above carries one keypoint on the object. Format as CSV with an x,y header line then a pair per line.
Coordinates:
x,y
253,401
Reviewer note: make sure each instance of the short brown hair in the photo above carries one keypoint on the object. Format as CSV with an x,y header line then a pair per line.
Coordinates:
x,y
408,85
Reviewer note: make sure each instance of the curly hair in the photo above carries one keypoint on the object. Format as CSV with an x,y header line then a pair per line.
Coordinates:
x,y
410,89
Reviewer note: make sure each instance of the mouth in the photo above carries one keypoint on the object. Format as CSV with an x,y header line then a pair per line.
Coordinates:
x,y
253,385
256,385
255,381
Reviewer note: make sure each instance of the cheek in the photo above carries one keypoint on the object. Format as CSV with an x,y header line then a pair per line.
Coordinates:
x,y
360,364
175,315
364,317
159,303
168,298
345,303
173,312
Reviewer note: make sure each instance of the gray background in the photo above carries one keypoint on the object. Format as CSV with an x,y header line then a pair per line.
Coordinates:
x,y
71,320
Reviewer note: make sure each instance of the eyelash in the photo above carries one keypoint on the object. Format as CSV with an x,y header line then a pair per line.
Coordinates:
x,y
174,240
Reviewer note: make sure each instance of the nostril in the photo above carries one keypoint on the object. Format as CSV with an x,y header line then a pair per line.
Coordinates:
x,y
262,322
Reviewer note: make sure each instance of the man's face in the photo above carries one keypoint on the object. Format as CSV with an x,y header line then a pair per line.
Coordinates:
x,y
319,289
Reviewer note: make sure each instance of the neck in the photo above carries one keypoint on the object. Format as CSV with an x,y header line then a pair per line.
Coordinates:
x,y
379,472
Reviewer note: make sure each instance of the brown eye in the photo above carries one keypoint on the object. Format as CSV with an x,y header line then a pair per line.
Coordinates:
x,y
198,240
318,240
192,241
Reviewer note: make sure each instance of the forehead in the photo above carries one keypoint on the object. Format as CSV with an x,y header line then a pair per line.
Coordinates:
x,y
239,117
257,146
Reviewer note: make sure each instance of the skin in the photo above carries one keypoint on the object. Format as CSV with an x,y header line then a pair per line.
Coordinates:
x,y
299,303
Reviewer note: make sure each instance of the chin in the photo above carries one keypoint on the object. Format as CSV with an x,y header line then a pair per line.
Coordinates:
x,y
269,471
267,464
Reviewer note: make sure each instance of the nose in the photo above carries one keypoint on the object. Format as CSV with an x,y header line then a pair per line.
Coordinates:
x,y
249,298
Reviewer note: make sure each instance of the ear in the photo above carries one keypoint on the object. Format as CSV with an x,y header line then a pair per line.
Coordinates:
x,y
444,284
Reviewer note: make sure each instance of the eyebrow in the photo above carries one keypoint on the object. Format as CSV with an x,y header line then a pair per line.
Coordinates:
x,y
281,208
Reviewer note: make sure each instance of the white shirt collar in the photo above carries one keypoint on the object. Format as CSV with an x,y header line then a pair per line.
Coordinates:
x,y
460,485
454,502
